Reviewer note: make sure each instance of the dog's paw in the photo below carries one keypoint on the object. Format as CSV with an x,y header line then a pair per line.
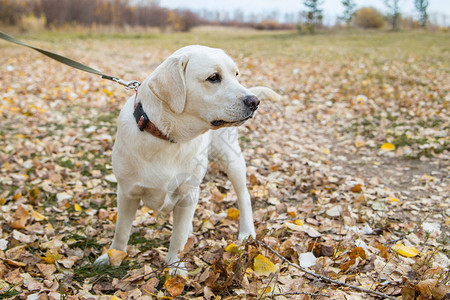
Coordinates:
x,y
176,267
246,234
179,270
102,260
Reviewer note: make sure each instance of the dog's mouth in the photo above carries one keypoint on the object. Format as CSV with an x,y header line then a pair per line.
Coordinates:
x,y
222,123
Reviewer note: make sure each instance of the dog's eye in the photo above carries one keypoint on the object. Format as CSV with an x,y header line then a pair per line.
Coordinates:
x,y
214,78
237,73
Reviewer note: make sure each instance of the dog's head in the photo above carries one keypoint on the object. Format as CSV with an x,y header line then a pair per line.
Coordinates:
x,y
202,82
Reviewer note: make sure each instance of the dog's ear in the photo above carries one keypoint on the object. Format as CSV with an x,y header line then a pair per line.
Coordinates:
x,y
167,82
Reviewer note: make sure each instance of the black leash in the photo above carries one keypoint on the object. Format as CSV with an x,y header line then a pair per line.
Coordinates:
x,y
71,63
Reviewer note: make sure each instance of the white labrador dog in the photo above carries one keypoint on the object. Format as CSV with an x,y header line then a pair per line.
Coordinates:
x,y
161,151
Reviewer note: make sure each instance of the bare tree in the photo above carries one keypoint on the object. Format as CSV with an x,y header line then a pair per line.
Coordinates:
x,y
314,14
393,15
421,6
349,11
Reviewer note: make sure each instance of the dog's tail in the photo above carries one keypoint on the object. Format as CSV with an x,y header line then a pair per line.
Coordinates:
x,y
265,93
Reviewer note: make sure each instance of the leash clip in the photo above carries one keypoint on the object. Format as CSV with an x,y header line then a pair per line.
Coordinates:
x,y
133,84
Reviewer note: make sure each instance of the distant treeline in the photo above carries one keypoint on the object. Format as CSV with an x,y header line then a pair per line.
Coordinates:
x,y
148,13
100,12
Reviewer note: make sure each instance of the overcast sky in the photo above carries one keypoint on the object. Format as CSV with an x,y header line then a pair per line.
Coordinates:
x,y
332,8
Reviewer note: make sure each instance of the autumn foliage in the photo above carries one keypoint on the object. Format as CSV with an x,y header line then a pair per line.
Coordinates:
x,y
369,17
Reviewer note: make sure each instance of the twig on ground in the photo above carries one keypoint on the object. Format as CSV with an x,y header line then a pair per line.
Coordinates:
x,y
339,283
300,293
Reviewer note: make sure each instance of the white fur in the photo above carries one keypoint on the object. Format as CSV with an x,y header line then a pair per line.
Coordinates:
x,y
166,176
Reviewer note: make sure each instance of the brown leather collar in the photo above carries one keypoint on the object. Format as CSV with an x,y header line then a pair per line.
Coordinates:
x,y
144,123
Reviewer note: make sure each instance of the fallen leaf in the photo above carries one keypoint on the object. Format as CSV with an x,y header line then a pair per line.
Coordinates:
x,y
357,188
431,289
359,143
51,256
231,247
116,257
175,285
262,266
3,244
387,147
14,277
233,214
46,269
307,259
407,251
392,199
299,222
77,207
21,217
335,211
38,216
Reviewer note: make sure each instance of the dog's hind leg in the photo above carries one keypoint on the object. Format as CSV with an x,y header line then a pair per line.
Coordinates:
x,y
126,211
226,149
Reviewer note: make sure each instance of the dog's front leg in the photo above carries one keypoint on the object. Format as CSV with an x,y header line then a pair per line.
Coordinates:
x,y
183,214
233,161
126,211
237,175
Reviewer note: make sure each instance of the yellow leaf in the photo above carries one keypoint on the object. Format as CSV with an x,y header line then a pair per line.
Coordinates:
x,y
38,216
299,222
447,221
326,151
233,214
51,256
359,144
175,285
115,298
388,147
407,251
17,196
77,207
392,199
116,257
263,266
231,247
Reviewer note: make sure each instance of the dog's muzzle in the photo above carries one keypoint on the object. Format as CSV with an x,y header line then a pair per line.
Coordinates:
x,y
251,104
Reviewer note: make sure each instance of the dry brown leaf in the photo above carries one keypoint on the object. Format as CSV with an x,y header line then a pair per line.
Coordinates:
x,y
14,277
46,269
175,285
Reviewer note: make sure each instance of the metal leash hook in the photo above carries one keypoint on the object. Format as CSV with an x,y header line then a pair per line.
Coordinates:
x,y
133,84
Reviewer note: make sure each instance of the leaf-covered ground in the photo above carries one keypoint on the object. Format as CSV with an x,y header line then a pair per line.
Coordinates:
x,y
348,172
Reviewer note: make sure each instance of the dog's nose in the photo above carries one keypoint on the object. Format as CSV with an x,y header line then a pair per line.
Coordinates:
x,y
252,102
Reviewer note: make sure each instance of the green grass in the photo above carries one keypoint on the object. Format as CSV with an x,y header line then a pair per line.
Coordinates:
x,y
11,292
273,45
144,244
78,241
97,273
